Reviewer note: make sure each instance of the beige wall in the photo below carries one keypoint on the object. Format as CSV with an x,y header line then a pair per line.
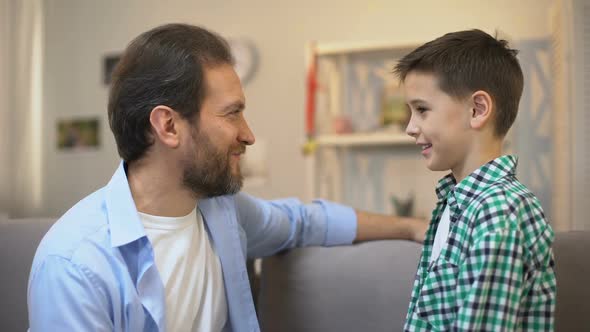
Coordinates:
x,y
80,32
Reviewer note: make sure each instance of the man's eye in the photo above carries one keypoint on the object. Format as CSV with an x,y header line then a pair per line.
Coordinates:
x,y
421,109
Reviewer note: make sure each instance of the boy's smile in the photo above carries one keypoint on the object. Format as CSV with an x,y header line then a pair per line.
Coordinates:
x,y
426,148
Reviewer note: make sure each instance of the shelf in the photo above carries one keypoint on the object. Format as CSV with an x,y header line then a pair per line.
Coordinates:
x,y
376,139
347,48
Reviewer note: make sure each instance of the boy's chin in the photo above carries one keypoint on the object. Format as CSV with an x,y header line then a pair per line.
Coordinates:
x,y
436,167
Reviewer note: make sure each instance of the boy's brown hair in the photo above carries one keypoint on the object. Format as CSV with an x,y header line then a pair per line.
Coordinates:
x,y
468,61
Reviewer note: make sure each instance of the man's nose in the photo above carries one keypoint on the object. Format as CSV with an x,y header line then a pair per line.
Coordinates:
x,y
246,134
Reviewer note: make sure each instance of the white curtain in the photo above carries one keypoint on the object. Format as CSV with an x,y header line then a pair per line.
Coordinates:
x,y
21,69
6,93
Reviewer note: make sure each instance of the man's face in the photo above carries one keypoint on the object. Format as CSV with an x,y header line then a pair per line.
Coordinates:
x,y
211,164
439,123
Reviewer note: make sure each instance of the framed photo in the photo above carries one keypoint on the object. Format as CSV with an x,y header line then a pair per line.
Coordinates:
x,y
109,63
78,134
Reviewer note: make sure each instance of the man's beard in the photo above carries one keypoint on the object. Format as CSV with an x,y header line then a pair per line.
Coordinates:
x,y
207,172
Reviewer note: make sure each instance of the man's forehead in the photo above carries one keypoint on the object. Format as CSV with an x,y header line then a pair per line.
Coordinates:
x,y
223,86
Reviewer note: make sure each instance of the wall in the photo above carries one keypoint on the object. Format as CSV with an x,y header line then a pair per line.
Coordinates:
x,y
80,32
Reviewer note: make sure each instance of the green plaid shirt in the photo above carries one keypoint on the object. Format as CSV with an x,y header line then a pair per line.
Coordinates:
x,y
495,272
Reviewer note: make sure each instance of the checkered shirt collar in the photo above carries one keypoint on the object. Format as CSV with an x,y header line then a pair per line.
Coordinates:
x,y
477,181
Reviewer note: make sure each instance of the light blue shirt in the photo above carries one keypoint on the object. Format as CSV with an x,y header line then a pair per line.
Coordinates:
x,y
94,269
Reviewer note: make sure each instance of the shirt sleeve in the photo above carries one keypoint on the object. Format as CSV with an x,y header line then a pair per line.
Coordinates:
x,y
62,296
272,226
491,283
506,280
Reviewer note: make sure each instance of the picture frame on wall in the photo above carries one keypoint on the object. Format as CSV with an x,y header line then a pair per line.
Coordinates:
x,y
109,63
78,134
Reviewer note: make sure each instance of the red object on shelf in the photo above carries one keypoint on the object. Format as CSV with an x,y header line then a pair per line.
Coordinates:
x,y
312,85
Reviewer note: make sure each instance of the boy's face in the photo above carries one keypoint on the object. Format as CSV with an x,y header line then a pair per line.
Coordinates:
x,y
439,123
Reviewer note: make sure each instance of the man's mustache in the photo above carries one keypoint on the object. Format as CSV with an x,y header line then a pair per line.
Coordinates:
x,y
240,150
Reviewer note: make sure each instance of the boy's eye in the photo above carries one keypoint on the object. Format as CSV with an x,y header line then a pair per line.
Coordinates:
x,y
421,109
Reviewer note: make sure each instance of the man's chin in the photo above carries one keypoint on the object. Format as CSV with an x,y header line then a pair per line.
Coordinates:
x,y
235,185
239,184
237,176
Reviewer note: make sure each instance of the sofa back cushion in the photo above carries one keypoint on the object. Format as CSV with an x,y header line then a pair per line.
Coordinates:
x,y
19,239
572,267
367,287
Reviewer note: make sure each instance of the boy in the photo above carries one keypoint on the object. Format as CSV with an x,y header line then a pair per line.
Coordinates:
x,y
487,262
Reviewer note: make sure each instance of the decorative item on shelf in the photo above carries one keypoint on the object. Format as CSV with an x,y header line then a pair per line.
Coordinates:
x,y
394,113
341,125
246,58
403,207
309,147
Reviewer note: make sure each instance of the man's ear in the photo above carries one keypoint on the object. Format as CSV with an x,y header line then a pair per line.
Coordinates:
x,y
483,107
165,122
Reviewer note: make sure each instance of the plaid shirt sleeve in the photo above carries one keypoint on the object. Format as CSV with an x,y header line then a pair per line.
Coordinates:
x,y
500,268
490,284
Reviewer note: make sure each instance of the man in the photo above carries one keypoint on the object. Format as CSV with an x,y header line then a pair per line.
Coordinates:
x,y
162,247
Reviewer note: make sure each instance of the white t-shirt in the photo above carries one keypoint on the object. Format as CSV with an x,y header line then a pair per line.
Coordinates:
x,y
190,270
442,233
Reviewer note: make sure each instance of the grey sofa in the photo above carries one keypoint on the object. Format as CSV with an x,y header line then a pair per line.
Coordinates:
x,y
19,239
367,287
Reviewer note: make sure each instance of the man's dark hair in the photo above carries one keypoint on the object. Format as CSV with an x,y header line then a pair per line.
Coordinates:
x,y
163,66
468,61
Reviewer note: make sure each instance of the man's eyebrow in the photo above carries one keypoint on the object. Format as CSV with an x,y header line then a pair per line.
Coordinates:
x,y
239,105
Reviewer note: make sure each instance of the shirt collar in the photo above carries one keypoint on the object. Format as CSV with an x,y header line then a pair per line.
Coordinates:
x,y
124,223
477,181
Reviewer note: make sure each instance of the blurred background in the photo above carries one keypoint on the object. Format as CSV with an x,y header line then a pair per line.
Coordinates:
x,y
56,54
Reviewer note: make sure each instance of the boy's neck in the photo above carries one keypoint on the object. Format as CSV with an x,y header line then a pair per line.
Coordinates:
x,y
480,155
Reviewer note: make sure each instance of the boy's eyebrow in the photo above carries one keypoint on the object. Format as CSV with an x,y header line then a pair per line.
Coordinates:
x,y
416,101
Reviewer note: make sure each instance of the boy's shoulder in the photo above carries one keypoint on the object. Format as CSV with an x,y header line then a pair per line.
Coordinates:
x,y
507,197
507,205
496,199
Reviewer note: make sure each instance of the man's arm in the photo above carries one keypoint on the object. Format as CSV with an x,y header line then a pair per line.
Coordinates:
x,y
372,226
62,297
271,226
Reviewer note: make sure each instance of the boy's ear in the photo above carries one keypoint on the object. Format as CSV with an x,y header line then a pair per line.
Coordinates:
x,y
165,122
482,109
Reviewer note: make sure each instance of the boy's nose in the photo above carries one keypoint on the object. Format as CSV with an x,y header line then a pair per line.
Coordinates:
x,y
412,129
